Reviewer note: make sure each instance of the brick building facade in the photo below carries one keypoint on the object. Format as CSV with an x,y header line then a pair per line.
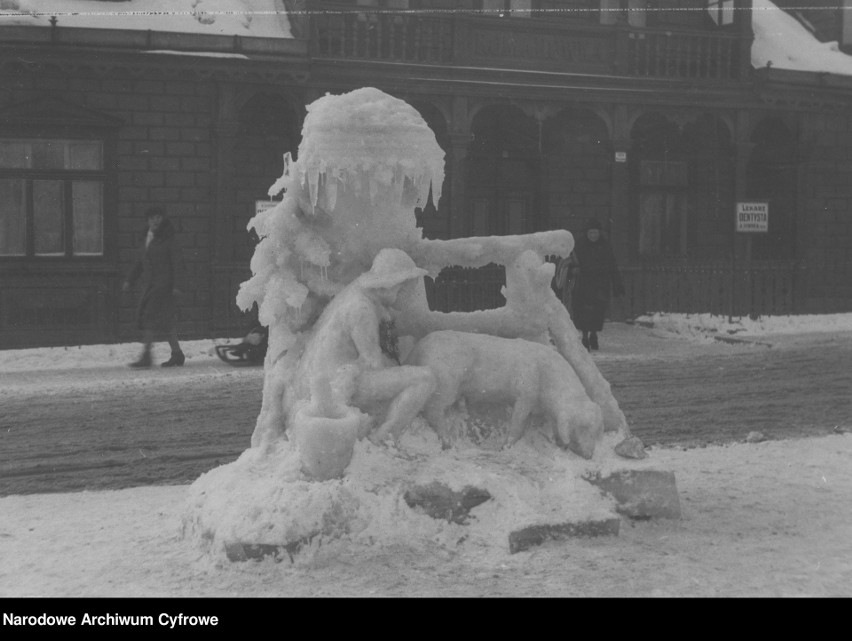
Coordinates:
x,y
547,117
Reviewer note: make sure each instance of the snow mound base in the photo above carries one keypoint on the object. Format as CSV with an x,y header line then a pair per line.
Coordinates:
x,y
264,500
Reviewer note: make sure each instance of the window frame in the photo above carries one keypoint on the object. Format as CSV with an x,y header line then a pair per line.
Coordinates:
x,y
66,177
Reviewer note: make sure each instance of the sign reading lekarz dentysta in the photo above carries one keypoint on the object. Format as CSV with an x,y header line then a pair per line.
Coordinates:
x,y
753,217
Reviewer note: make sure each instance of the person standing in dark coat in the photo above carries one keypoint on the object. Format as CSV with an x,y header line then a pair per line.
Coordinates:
x,y
161,262
595,278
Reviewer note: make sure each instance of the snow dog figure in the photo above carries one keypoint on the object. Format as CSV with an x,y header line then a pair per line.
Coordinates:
x,y
366,161
487,368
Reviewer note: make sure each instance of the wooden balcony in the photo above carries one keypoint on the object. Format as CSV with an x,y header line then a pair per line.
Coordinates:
x,y
468,40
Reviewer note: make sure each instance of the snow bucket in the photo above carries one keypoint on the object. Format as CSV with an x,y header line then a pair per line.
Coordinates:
x,y
326,443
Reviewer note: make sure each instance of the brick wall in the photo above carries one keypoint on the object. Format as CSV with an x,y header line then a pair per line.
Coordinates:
x,y
162,157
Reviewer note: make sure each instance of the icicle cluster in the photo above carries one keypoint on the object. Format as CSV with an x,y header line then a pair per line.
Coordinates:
x,y
366,160
368,136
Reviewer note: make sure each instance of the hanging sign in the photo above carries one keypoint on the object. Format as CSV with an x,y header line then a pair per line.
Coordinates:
x,y
620,156
753,217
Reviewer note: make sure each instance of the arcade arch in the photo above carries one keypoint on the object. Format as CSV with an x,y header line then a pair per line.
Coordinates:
x,y
503,172
576,170
682,187
268,127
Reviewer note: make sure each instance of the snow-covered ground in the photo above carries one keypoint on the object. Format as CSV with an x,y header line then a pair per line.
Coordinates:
x,y
759,519
705,327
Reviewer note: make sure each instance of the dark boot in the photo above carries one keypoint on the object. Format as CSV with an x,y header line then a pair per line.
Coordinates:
x,y
586,340
144,360
176,360
593,341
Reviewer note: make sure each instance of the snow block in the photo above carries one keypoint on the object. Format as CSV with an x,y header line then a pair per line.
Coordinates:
x,y
641,494
528,537
631,447
239,552
440,502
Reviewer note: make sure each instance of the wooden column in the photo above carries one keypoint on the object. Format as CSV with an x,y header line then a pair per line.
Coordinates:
x,y
620,187
739,302
804,268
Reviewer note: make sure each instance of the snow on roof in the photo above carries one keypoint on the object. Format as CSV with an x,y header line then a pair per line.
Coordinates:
x,y
257,18
783,43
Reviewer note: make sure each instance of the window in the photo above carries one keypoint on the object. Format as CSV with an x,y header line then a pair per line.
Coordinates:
x,y
51,197
722,11
662,208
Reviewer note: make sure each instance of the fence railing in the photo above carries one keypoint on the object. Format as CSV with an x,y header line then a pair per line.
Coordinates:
x,y
764,288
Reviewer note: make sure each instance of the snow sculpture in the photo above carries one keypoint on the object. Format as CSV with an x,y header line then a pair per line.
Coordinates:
x,y
366,160
536,377
325,431
355,352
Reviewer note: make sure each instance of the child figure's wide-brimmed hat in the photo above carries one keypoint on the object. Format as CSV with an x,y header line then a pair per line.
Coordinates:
x,y
390,267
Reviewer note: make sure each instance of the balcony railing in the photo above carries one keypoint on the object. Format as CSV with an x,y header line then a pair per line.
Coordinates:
x,y
683,55
530,44
389,37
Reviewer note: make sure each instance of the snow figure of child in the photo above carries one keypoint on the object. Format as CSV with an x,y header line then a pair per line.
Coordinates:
x,y
346,346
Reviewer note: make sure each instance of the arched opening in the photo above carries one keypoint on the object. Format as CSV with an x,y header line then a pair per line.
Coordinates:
x,y
503,176
771,176
658,186
268,128
711,176
576,172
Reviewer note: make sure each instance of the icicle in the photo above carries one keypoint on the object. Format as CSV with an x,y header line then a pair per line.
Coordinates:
x,y
313,183
374,189
331,191
281,184
398,187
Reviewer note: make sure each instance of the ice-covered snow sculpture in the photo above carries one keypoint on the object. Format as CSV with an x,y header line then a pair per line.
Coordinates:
x,y
366,160
338,279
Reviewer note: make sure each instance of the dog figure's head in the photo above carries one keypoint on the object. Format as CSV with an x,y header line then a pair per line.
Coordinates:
x,y
583,430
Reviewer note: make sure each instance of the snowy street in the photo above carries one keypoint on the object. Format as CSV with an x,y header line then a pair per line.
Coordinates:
x,y
97,424
759,519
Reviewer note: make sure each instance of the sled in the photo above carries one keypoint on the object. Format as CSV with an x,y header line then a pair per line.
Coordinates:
x,y
251,351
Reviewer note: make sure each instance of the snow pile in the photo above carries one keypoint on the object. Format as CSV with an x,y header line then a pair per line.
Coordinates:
x,y
783,43
706,326
759,520
255,18
278,504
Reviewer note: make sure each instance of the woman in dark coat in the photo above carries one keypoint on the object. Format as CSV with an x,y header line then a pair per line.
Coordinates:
x,y
161,262
595,278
